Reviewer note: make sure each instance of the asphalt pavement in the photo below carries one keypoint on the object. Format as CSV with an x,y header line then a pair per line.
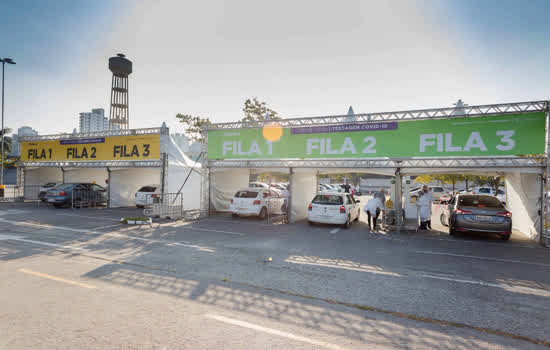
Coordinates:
x,y
80,279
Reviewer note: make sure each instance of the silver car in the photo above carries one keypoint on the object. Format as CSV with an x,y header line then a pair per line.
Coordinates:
x,y
477,213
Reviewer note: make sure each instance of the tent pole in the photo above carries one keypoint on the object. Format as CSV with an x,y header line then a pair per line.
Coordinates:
x,y
108,186
544,240
291,184
398,204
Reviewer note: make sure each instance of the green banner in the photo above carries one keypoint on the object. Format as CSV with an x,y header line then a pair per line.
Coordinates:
x,y
512,134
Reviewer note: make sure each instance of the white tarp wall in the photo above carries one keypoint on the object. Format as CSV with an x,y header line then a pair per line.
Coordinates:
x,y
125,182
179,167
303,187
91,175
224,183
523,200
41,176
34,178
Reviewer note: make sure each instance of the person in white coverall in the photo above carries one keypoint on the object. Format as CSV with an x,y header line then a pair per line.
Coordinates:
x,y
372,208
424,204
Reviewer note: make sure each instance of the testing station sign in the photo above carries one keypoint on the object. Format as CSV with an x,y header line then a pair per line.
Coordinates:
x,y
131,147
511,134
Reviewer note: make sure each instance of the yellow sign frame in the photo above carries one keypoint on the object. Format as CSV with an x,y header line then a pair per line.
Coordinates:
x,y
111,148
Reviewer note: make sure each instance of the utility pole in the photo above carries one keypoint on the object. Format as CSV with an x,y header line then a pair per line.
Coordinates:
x,y
4,61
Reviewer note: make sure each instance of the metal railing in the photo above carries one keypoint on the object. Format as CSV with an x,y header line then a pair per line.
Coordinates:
x,y
166,206
277,210
87,198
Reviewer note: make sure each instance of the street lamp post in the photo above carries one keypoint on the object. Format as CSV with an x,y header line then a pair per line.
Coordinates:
x,y
4,61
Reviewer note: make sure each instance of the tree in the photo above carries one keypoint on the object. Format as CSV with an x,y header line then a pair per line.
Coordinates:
x,y
193,125
7,140
255,110
425,179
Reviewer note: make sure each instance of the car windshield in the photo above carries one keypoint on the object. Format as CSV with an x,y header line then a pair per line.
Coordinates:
x,y
328,199
479,201
246,194
484,190
50,184
147,189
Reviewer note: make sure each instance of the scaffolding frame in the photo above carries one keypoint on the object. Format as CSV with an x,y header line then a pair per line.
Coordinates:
x,y
540,162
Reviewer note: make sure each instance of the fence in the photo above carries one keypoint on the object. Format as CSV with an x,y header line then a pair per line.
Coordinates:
x,y
277,210
86,197
166,206
20,194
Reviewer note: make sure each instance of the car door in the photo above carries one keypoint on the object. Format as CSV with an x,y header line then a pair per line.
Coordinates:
x,y
447,211
349,203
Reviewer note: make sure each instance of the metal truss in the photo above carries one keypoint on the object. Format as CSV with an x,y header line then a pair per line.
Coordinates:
x,y
478,162
98,164
108,133
435,113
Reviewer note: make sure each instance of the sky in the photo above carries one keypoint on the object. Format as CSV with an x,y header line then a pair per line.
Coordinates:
x,y
304,58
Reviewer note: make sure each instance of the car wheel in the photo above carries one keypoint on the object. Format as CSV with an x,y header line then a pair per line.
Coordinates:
x,y
234,216
347,224
263,214
443,221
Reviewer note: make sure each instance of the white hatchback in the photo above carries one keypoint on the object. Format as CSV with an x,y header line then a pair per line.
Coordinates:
x,y
144,196
257,201
333,208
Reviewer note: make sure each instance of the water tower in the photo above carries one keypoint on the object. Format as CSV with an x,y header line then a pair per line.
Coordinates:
x,y
119,116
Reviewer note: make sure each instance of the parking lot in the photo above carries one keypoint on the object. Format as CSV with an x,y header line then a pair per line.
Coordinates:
x,y
347,288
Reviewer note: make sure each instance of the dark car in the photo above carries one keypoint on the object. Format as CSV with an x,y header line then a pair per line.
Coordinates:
x,y
77,194
477,213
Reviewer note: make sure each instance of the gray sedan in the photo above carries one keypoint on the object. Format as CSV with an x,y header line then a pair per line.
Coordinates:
x,y
477,213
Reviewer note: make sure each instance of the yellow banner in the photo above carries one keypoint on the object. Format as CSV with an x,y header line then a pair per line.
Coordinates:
x,y
134,147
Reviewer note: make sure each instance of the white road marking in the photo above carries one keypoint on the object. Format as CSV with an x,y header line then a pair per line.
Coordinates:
x,y
273,331
335,230
525,290
11,212
483,258
210,230
23,223
18,238
102,227
88,217
338,264
55,278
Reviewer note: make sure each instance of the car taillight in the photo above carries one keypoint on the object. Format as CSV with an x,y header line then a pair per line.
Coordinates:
x,y
257,202
342,209
462,212
505,213
231,200
310,206
62,193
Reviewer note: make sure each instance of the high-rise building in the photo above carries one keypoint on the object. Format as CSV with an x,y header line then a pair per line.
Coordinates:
x,y
15,144
94,121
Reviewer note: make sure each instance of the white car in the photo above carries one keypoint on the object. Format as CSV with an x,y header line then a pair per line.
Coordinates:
x,y
501,195
436,191
258,185
333,208
144,195
258,202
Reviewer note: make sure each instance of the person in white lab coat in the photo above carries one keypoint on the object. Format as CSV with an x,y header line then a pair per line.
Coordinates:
x,y
424,204
373,208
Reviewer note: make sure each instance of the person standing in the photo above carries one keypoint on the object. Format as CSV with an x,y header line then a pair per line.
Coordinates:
x,y
424,204
373,208
382,196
